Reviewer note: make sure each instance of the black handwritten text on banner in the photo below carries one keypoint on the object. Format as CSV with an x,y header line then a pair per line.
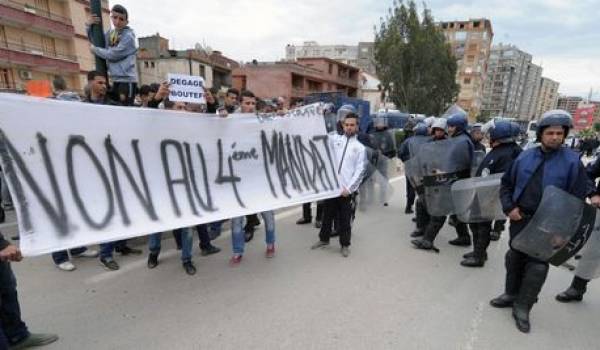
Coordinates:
x,y
83,173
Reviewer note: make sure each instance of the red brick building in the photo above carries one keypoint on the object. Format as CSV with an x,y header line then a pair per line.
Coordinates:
x,y
295,80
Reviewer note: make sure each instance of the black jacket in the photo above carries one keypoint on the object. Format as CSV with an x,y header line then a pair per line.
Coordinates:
x,y
499,159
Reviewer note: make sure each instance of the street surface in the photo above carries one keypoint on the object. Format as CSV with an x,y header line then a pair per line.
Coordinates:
x,y
386,295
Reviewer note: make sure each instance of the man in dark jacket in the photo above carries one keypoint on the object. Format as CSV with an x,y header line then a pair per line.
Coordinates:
x,y
13,331
504,151
403,152
521,191
578,286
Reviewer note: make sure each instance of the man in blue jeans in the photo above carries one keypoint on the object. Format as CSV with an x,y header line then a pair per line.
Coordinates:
x,y
13,331
187,244
61,258
238,241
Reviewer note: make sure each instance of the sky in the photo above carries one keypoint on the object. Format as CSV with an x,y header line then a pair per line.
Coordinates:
x,y
562,35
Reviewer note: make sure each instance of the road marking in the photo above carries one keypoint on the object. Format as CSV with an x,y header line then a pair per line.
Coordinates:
x,y
474,330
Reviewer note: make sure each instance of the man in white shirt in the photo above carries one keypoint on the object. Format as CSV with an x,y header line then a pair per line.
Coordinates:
x,y
350,157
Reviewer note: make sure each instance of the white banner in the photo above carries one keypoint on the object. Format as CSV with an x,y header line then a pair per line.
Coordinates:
x,y
186,88
84,173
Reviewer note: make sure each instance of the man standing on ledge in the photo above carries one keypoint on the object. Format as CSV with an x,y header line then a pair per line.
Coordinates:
x,y
350,157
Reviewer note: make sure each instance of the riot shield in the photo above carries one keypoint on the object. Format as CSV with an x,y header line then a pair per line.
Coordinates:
x,y
454,109
589,264
412,171
375,189
478,157
330,122
478,199
385,143
441,163
560,227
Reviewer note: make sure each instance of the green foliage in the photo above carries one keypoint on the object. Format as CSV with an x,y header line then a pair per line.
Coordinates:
x,y
597,127
414,62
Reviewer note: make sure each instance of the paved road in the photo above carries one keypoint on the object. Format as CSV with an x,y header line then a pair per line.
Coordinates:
x,y
386,295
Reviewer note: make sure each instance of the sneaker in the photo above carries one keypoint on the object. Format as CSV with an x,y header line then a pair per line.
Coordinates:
x,y
90,253
152,260
270,253
66,266
35,339
2,215
303,221
15,238
345,252
235,260
128,251
189,268
408,210
319,244
210,250
109,264
385,204
318,223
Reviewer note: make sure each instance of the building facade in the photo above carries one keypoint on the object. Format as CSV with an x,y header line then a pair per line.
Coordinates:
x,y
531,90
547,97
508,83
40,39
361,55
155,60
295,80
569,103
470,41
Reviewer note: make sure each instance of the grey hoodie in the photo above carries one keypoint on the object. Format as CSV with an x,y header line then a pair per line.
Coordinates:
x,y
121,56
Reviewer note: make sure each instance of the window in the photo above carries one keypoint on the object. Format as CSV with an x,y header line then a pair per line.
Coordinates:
x,y
49,46
460,36
152,64
2,36
146,64
330,68
203,71
467,81
470,58
5,82
476,24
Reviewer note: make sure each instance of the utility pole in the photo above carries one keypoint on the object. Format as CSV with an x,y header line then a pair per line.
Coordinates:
x,y
97,34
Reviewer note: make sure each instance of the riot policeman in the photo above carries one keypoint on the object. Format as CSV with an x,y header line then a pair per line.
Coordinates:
x,y
504,151
521,192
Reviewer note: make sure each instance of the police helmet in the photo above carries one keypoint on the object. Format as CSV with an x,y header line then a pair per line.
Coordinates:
x,y
420,129
429,121
346,110
459,121
502,132
556,117
439,123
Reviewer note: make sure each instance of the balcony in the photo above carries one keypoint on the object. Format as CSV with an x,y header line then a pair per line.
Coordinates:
x,y
35,56
34,19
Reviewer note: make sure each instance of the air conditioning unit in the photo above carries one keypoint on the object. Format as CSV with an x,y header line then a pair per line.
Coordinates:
x,y
25,75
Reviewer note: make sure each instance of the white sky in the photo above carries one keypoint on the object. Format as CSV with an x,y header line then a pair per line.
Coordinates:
x,y
562,35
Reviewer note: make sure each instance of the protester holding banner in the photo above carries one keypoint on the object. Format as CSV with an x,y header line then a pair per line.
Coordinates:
x,y
13,331
350,156
120,55
521,191
504,151
97,89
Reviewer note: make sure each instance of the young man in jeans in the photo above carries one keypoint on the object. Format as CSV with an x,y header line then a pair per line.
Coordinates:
x,y
238,241
187,246
120,55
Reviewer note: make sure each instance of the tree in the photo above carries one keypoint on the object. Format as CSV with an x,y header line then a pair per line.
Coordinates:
x,y
597,127
414,62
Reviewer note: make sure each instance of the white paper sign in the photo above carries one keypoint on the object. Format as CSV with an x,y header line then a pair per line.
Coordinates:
x,y
83,173
186,88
